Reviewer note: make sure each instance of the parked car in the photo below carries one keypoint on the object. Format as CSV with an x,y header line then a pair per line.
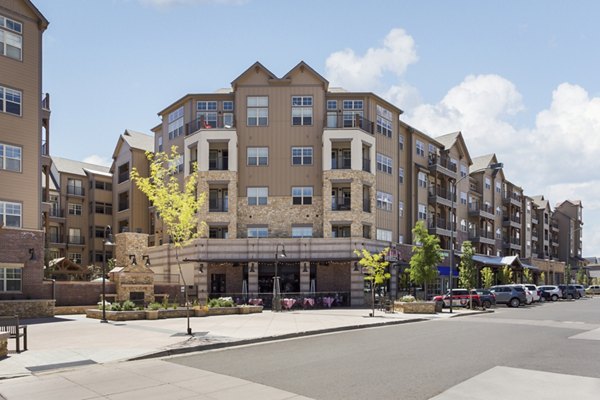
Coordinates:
x,y
460,298
545,296
580,289
528,294
554,291
488,298
593,289
569,292
535,292
511,295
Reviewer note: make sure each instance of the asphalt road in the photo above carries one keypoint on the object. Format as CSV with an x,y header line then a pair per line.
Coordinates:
x,y
419,360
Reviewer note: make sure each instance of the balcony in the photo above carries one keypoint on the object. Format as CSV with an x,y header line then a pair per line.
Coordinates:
x,y
218,164
344,122
218,205
442,165
75,191
511,243
554,227
512,198
56,212
512,221
439,226
340,204
442,196
534,220
200,123
123,176
55,239
481,210
341,163
482,236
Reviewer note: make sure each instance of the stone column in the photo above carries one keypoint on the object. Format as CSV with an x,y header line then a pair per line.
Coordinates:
x,y
252,278
201,282
304,276
357,285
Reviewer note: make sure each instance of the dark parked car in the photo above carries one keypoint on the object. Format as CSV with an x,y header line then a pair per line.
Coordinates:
x,y
569,292
512,296
487,298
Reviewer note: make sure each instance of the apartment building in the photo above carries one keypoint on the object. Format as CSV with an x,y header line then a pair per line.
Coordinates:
x,y
512,223
131,211
24,137
567,226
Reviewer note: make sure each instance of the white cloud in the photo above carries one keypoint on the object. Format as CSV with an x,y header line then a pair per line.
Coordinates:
x,y
174,3
355,72
98,160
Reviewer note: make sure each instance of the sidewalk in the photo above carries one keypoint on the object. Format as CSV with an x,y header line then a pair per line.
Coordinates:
x,y
70,340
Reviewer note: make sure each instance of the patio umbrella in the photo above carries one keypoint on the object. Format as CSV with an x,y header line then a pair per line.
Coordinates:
x,y
312,287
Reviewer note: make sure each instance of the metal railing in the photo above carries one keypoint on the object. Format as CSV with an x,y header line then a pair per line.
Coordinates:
x,y
343,205
444,162
57,213
477,207
218,205
55,238
218,164
348,123
202,123
443,193
439,223
341,163
290,300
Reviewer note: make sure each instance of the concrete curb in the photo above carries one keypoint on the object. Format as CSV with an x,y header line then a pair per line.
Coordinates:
x,y
242,342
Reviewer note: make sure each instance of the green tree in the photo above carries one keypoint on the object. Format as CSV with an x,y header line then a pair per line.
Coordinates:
x,y
425,257
527,275
176,204
374,268
567,274
542,278
467,270
505,275
581,276
487,277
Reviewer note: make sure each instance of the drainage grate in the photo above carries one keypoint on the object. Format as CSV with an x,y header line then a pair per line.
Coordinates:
x,y
46,367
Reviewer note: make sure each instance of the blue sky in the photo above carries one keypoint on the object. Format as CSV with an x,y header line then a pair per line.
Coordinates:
x,y
518,78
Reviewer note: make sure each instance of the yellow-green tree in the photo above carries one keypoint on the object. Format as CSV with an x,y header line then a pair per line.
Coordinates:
x,y
374,268
467,270
527,276
505,275
542,278
176,205
425,257
487,277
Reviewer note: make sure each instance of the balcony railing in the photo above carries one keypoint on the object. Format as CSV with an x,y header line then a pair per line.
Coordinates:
x,y
443,193
340,205
55,238
123,176
78,240
476,207
46,101
480,233
57,213
512,241
513,218
45,151
348,123
366,165
75,190
442,162
218,164
341,163
202,123
512,196
218,205
439,223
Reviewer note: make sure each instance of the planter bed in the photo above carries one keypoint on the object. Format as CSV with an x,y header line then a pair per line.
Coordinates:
x,y
416,307
170,313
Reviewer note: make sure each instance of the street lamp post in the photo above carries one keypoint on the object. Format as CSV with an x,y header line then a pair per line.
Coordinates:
x,y
493,167
106,241
276,287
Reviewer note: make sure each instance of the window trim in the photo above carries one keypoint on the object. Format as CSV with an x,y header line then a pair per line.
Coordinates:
x,y
257,197
3,213
4,157
257,157
3,99
305,198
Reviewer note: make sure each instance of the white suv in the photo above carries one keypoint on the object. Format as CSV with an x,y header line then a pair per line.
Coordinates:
x,y
534,291
555,292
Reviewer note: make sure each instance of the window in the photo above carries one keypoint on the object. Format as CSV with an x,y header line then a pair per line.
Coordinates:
x,y
463,198
123,172
340,231
401,239
302,155
10,101
463,170
11,41
352,114
175,127
463,225
258,232
366,231
498,187
384,121
384,201
302,111
74,209
257,196
75,236
302,231
258,110
10,214
206,113
75,257
74,187
160,144
228,105
10,158
401,142
420,146
400,175
258,155
206,106
498,211
353,104
422,179
384,234
422,212
302,195
175,166
384,163
97,231
123,201
401,209
103,185
488,183
10,279
498,233
103,208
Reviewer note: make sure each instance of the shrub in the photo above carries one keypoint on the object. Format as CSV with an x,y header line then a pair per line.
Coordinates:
x,y
165,301
154,306
221,302
408,298
116,307
107,305
128,305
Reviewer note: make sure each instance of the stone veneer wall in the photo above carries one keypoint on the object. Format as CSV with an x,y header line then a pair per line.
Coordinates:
x,y
355,216
133,278
27,308
3,344
550,268
279,214
219,218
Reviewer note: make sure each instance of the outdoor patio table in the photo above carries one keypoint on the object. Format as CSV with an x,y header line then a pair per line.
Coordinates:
x,y
328,301
309,302
255,302
288,303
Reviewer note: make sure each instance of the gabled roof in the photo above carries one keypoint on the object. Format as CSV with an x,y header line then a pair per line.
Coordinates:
x,y
304,66
481,162
450,139
257,66
541,202
135,140
42,21
67,166
576,203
